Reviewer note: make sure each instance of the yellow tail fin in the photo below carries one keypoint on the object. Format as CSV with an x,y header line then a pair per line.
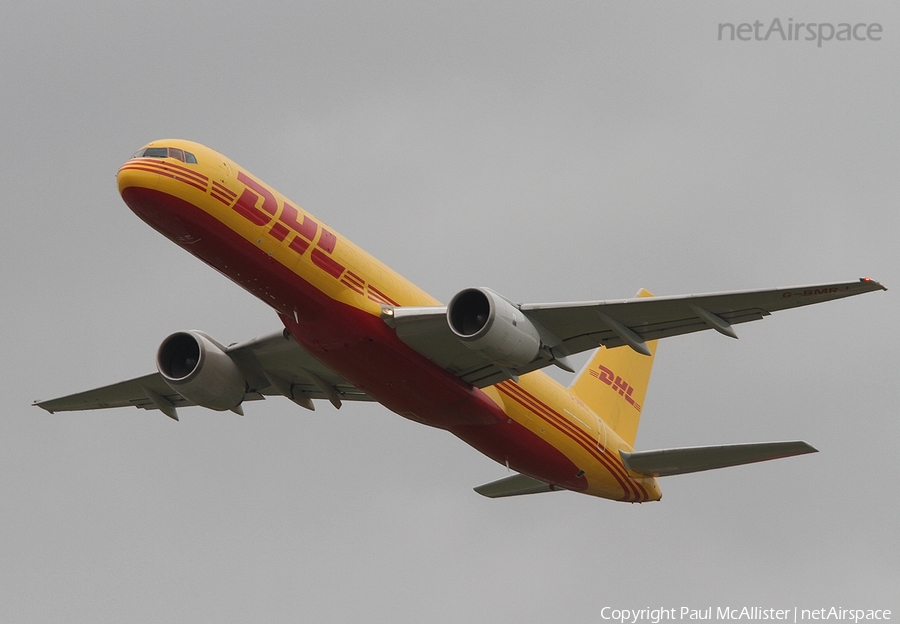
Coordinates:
x,y
614,383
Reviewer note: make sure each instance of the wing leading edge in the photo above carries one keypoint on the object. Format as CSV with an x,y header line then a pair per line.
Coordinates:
x,y
569,328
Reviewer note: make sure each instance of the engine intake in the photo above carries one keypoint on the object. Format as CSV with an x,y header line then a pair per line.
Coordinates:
x,y
488,323
197,367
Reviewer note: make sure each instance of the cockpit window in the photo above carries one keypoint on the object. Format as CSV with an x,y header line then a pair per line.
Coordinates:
x,y
166,152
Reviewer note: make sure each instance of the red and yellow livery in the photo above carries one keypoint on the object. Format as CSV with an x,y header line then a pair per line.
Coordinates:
x,y
356,330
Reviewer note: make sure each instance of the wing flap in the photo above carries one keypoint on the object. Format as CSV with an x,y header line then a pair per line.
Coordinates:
x,y
667,462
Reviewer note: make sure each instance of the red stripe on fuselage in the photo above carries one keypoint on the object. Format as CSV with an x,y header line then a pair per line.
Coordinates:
x,y
563,425
355,287
166,173
357,345
632,489
383,298
169,169
326,263
223,190
353,277
224,200
222,193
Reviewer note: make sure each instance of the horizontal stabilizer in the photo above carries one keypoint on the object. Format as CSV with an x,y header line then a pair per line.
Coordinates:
x,y
515,485
667,462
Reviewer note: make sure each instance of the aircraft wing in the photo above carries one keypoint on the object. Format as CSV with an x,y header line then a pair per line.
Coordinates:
x,y
568,328
272,365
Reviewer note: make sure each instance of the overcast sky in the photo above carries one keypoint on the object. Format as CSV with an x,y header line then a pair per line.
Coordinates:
x,y
548,150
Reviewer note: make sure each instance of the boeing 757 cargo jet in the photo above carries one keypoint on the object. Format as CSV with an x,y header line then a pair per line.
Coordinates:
x,y
354,330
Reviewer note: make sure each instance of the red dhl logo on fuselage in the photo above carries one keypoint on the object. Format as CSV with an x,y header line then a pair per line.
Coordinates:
x,y
300,232
618,384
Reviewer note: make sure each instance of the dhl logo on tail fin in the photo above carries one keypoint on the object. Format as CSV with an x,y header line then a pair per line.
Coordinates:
x,y
614,383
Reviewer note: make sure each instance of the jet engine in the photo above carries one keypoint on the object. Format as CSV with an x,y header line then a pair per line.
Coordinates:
x,y
486,322
197,368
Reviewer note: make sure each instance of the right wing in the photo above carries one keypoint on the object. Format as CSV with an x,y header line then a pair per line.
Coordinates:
x,y
581,326
272,365
569,328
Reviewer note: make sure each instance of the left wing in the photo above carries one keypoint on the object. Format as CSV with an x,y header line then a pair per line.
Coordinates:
x,y
272,365
568,328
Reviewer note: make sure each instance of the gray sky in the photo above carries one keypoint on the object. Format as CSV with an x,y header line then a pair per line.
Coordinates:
x,y
551,151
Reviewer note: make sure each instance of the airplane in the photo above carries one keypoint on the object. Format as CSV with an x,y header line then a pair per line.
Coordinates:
x,y
354,330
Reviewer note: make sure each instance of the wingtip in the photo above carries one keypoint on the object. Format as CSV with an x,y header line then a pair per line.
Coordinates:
x,y
43,407
809,448
869,280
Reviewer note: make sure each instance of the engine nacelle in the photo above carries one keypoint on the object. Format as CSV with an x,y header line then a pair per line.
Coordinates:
x,y
197,367
491,325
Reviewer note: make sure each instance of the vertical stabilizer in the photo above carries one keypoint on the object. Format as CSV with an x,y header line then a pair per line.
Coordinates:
x,y
614,383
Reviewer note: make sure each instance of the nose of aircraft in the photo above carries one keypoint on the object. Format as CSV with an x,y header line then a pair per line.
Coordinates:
x,y
158,160
136,174
163,185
